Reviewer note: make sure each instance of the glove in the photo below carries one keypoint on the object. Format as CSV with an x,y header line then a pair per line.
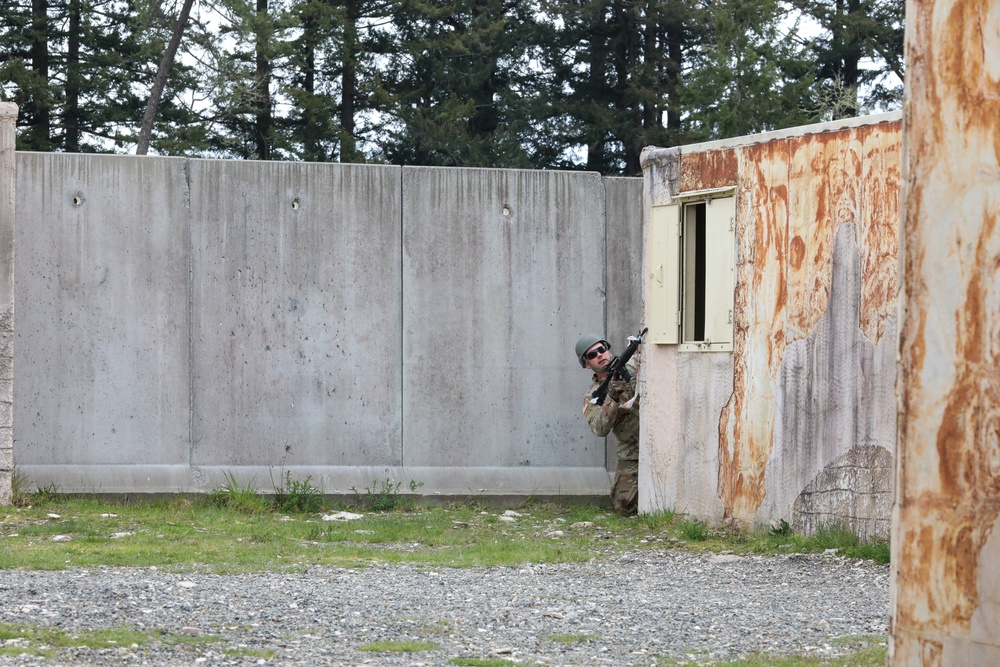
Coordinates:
x,y
616,389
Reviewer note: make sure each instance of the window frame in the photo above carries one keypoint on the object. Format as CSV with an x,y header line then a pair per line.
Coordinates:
x,y
675,261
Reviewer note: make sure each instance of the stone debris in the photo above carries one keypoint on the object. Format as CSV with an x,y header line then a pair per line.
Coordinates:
x,y
676,606
343,516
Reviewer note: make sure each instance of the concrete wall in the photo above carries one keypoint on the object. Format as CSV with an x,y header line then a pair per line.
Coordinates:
x,y
797,422
8,116
945,586
191,319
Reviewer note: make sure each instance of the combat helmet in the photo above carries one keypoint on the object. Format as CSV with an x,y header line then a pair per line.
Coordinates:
x,y
586,342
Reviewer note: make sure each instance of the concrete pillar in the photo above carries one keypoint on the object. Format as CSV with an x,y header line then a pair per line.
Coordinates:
x,y
945,604
8,116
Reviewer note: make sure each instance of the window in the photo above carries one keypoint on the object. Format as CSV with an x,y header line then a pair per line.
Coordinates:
x,y
692,263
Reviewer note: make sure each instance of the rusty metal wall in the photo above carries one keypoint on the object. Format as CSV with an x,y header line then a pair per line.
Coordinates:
x,y
946,546
807,430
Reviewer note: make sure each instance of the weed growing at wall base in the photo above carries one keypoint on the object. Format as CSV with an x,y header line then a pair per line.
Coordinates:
x,y
385,497
298,496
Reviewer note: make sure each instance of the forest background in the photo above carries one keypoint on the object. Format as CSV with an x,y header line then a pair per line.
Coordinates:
x,y
542,84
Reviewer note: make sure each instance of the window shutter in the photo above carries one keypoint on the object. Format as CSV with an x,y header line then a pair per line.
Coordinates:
x,y
720,269
663,308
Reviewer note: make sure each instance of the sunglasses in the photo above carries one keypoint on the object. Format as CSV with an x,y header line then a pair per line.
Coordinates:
x,y
593,354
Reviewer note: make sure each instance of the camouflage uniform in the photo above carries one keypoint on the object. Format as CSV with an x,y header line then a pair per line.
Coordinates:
x,y
624,423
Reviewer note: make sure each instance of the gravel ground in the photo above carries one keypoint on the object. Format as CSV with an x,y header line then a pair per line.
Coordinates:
x,y
635,609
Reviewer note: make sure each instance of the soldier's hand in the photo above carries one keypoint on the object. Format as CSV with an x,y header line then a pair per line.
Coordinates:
x,y
617,388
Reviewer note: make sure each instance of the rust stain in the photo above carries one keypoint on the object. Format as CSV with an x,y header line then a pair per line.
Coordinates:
x,y
964,69
746,425
878,235
796,252
949,460
793,193
710,169
937,572
965,469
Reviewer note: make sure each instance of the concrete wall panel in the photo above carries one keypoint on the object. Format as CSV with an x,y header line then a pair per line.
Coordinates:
x,y
296,279
624,261
194,318
8,117
502,272
103,264
623,198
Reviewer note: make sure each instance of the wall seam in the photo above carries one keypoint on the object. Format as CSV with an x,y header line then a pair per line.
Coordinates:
x,y
190,314
402,323
608,441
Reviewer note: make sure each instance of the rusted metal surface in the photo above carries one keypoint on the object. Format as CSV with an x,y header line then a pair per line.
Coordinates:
x,y
812,372
708,169
946,547
793,195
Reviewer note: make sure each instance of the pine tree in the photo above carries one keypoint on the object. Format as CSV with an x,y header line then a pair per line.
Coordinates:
x,y
751,75
855,32
618,75
461,83
73,67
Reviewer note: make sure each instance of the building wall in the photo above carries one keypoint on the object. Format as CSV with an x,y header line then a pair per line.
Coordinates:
x,y
798,421
945,586
191,319
8,115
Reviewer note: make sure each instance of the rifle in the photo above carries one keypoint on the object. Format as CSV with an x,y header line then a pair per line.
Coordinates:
x,y
617,369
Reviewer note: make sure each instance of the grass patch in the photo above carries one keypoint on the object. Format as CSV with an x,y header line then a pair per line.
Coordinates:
x,y
401,646
871,653
228,531
46,642
571,639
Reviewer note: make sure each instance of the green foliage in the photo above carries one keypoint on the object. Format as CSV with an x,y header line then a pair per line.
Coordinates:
x,y
384,496
23,496
45,641
780,528
658,520
865,656
240,497
571,639
487,83
693,529
297,496
751,75
211,534
403,646
857,56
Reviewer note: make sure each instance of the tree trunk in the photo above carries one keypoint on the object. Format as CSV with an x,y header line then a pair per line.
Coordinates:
x,y
262,124
72,123
156,94
39,111
349,86
598,61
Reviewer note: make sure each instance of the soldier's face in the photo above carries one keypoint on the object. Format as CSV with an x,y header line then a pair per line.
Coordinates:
x,y
598,356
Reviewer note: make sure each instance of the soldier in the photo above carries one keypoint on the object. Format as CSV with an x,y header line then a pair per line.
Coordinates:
x,y
618,415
